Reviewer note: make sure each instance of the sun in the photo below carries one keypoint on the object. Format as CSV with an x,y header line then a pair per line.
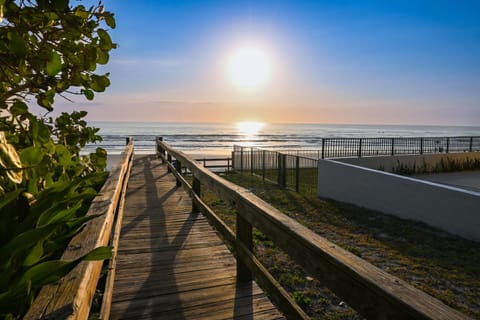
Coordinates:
x,y
249,67
250,128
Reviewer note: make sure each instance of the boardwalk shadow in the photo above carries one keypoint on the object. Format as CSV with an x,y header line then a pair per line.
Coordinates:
x,y
174,265
243,305
163,247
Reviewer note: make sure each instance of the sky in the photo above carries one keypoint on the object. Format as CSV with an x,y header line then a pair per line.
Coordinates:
x,y
349,62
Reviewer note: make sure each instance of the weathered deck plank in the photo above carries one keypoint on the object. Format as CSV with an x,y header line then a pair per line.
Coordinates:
x,y
171,263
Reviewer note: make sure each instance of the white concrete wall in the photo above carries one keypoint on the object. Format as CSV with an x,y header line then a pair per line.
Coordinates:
x,y
454,210
389,163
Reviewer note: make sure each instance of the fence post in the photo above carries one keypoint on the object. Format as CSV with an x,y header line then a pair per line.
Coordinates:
x,y
470,149
178,167
281,170
241,160
360,148
263,164
196,188
393,146
244,236
169,160
160,150
297,173
251,161
448,144
233,160
323,148
421,145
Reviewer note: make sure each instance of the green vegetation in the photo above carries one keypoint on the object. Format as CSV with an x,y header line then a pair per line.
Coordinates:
x,y
444,165
47,49
444,266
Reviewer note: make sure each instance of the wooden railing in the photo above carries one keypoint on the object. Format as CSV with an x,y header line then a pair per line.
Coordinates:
x,y
71,297
217,164
370,291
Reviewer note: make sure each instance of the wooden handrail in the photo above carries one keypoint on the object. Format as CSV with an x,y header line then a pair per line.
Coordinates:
x,y
369,290
71,297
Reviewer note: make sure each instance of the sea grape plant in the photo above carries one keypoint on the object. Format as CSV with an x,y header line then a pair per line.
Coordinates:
x,y
48,49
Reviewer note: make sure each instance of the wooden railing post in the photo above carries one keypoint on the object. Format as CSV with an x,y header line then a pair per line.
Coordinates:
x,y
160,149
244,236
196,188
448,144
421,145
471,145
178,167
393,146
169,160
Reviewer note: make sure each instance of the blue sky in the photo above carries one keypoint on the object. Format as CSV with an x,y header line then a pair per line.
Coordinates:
x,y
372,62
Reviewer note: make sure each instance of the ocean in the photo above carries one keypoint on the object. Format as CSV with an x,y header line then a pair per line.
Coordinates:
x,y
218,139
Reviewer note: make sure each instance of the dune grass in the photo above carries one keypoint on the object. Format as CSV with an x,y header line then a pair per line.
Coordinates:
x,y
444,266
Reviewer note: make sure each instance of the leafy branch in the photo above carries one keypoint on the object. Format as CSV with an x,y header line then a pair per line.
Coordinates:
x,y
48,48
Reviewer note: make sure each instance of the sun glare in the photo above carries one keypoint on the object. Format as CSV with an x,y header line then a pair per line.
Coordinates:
x,y
250,128
249,67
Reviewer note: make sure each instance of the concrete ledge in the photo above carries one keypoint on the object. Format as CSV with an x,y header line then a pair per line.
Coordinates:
x,y
451,209
415,163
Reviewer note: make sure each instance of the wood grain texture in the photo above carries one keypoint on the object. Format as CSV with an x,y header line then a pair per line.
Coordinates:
x,y
171,263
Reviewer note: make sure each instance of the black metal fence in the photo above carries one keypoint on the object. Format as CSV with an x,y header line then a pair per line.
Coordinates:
x,y
366,147
290,171
298,169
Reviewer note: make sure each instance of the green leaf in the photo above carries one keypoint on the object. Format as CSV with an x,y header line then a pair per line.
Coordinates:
x,y
45,273
102,56
17,44
19,108
31,156
45,101
105,40
88,94
99,83
35,255
54,65
9,197
100,253
24,241
110,20
63,155
54,216
49,272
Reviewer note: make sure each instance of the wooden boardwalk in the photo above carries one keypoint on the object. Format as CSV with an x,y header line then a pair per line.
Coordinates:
x,y
171,263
